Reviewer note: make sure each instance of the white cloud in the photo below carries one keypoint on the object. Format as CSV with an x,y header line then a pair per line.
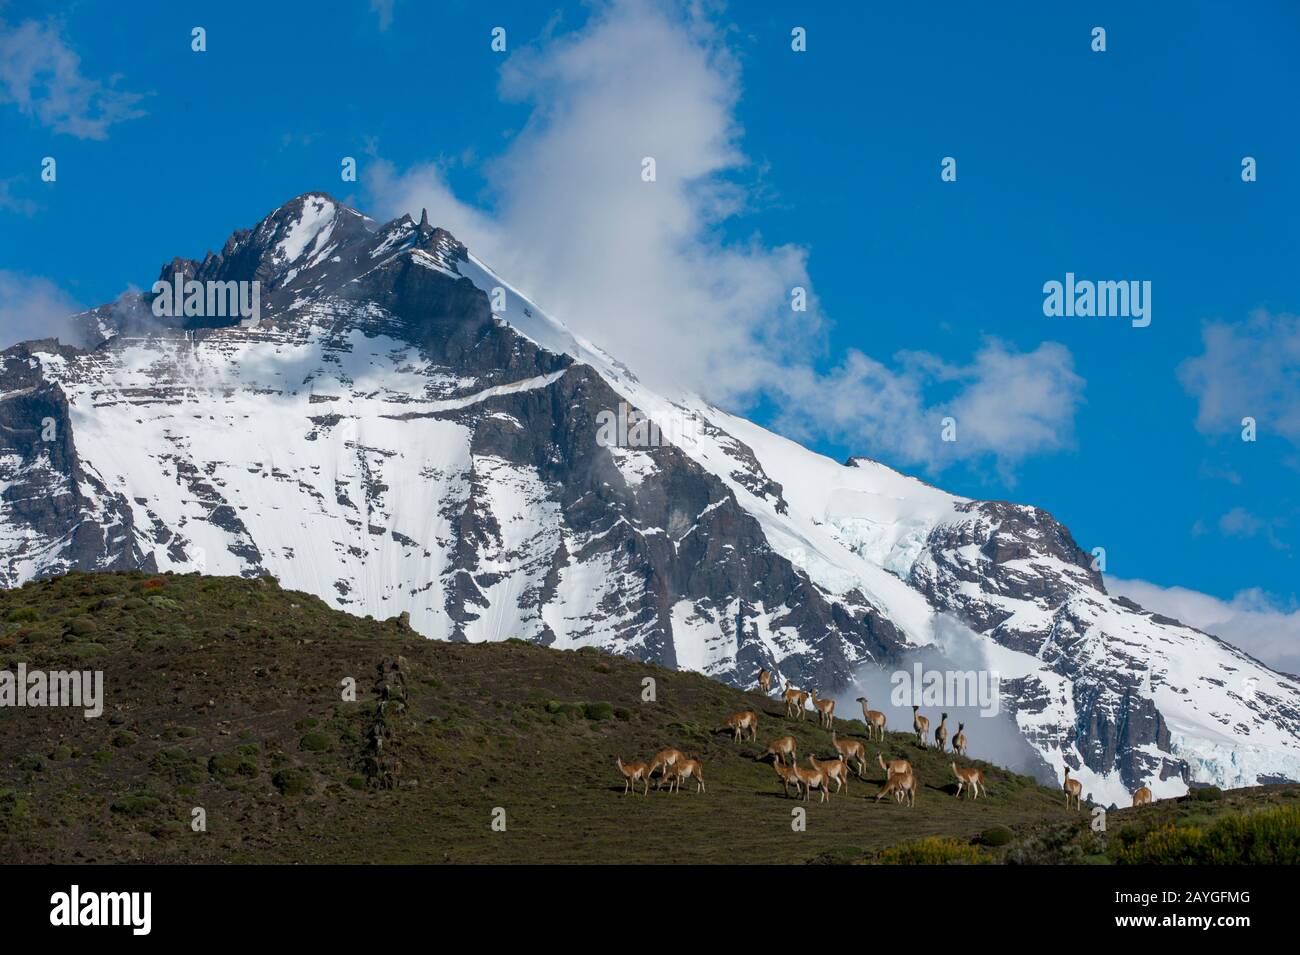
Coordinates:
x,y
32,307
1263,626
1248,369
643,269
384,10
41,75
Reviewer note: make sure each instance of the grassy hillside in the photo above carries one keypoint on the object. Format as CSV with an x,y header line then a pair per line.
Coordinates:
x,y
227,695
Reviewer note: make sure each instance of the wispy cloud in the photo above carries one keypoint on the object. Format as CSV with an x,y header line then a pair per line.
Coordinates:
x,y
1264,626
32,307
384,10
13,203
643,268
1247,369
41,74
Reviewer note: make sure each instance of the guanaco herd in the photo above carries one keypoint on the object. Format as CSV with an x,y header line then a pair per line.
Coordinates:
x,y
675,767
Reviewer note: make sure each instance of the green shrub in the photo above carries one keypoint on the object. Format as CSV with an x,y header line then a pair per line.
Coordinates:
x,y
357,782
934,850
137,804
316,743
1267,837
1207,794
292,782
599,710
232,764
82,626
997,836
124,738
24,615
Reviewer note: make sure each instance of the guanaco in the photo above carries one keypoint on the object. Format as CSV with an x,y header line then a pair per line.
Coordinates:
x,y
851,749
632,772
969,777
1072,788
825,710
665,758
893,766
959,741
835,769
1142,797
941,734
781,748
738,723
765,681
875,720
794,701
687,769
813,779
922,726
788,774
904,783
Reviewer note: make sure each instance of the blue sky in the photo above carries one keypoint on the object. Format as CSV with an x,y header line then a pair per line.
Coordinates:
x,y
777,168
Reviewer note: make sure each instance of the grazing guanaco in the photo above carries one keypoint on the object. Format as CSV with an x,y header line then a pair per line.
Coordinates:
x,y
632,772
835,769
970,777
686,769
851,749
788,774
765,681
941,734
825,710
813,779
900,783
794,701
1072,788
739,722
665,758
893,766
959,741
922,726
875,720
781,748
1142,797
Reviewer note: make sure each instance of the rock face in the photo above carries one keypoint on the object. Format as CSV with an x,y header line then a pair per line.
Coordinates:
x,y
404,433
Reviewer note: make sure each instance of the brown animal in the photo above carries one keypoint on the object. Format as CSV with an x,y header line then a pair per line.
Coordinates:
x,y
664,759
875,720
1073,788
781,748
685,769
836,770
902,783
825,710
851,749
788,774
893,766
941,734
794,701
738,723
959,741
632,773
922,726
1142,797
969,777
765,681
813,779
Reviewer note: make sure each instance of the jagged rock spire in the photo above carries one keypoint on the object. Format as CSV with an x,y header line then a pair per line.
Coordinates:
x,y
424,220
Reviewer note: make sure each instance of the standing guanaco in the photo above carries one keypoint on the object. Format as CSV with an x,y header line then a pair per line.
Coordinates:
x,y
1142,797
941,734
686,769
922,726
632,772
835,769
851,749
893,766
794,701
1072,788
904,783
875,720
781,748
665,758
765,681
959,741
788,774
738,723
825,710
971,777
812,779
